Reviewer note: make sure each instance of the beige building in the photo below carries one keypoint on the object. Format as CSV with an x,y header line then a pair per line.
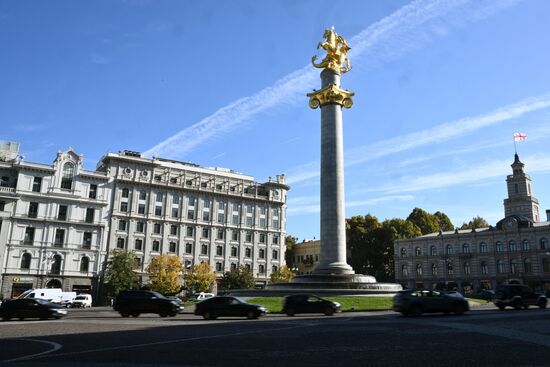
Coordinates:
x,y
516,248
305,257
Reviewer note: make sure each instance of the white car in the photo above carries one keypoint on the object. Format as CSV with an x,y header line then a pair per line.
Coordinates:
x,y
82,301
202,296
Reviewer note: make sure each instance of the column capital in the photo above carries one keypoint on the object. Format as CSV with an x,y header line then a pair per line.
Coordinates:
x,y
331,94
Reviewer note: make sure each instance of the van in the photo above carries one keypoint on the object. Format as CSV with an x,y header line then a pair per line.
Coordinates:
x,y
48,294
82,300
67,298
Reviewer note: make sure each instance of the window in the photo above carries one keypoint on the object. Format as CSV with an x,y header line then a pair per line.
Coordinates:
x,y
37,184
2,206
190,213
189,232
434,270
205,233
87,240
221,217
248,236
175,212
59,237
175,199
449,250
157,228
500,266
276,218
26,261
220,234
262,238
124,207
219,250
483,247
234,235
159,197
140,226
404,271
67,176
450,271
156,246
120,242
249,215
142,195
62,212
233,251
261,253
218,266
543,243
417,251
262,217
174,180
261,269
527,266
403,252
274,269
125,193
466,268
122,225
84,264
141,208
205,215
465,248
174,230
233,266
29,236
172,247
206,209
33,210
158,210
90,213
235,214
545,265
204,249
433,250
484,268
526,246
138,244
188,248
248,252
92,194
516,188
56,265
275,254
513,246
499,246
275,240
514,269
418,270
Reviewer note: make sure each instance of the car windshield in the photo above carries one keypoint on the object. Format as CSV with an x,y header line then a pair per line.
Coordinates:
x,y
80,298
43,301
237,299
158,295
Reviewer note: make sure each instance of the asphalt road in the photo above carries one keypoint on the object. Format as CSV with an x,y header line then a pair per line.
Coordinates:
x,y
100,337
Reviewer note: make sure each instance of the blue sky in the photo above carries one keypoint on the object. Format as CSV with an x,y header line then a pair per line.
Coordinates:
x,y
440,89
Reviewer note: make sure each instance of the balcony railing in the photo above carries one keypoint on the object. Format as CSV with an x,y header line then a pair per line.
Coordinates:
x,y
7,190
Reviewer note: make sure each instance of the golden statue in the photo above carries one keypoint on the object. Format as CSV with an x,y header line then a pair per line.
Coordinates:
x,y
337,49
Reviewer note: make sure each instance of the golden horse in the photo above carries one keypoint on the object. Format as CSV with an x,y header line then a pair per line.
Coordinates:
x,y
337,49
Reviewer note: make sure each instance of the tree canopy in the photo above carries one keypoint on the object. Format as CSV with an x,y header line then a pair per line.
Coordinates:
x,y
239,278
476,222
120,274
290,242
282,275
199,278
164,272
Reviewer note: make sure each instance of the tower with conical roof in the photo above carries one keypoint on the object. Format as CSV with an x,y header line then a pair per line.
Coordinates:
x,y
520,199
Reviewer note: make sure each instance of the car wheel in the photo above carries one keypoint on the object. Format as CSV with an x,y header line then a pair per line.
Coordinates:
x,y
57,317
172,314
163,315
251,315
22,318
404,313
458,309
517,304
416,310
290,312
501,307
329,311
6,318
209,316
542,304
124,314
135,314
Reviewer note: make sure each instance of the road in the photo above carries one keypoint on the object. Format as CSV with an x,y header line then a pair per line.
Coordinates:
x,y
100,337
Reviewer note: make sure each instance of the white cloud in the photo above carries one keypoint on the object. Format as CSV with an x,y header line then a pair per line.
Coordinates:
x,y
406,29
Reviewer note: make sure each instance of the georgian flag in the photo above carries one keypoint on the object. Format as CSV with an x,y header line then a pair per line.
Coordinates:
x,y
520,136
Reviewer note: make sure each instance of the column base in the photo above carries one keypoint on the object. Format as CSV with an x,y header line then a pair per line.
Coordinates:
x,y
334,269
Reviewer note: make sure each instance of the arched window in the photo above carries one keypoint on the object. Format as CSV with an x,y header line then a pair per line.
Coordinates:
x,y
466,268
499,246
465,248
500,266
67,176
417,251
514,269
545,265
159,197
84,264
26,261
449,250
526,246
543,244
484,269
125,193
527,266
450,270
433,250
56,265
513,246
482,247
434,270
419,270
404,271
403,252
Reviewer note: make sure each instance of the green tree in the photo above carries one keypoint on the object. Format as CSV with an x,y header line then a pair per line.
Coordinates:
x,y
120,274
427,222
164,272
282,275
199,278
290,242
239,278
360,231
445,223
476,222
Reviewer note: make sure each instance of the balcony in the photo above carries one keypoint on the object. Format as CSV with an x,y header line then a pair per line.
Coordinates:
x,y
7,191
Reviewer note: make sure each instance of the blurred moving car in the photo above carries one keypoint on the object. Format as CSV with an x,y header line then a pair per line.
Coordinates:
x,y
215,307
308,303
137,302
82,301
178,301
484,294
31,308
418,301
518,296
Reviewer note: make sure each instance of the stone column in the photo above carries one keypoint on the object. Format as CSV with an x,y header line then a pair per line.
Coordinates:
x,y
333,225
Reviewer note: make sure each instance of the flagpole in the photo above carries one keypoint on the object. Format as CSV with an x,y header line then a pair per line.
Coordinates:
x,y
515,148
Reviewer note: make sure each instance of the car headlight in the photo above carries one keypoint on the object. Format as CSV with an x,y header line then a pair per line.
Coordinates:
x,y
263,309
336,304
58,310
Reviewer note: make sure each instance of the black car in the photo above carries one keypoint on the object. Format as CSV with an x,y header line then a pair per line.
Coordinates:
x,y
308,303
31,308
418,301
137,302
518,296
214,307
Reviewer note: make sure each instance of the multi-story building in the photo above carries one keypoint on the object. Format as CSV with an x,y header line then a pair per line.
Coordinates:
x,y
210,215
52,223
516,248
304,257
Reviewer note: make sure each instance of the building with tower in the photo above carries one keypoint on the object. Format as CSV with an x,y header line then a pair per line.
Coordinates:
x,y
515,249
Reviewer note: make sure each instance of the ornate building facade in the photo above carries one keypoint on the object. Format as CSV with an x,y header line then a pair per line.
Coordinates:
x,y
517,248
